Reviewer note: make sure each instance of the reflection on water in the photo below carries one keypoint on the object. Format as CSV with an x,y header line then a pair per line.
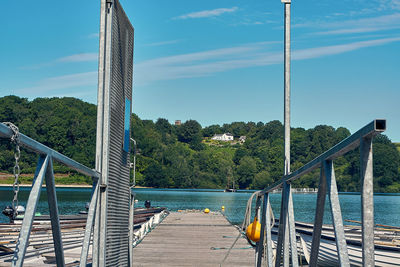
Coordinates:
x,y
72,200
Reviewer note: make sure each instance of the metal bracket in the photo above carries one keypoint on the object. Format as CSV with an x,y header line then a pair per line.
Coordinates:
x,y
103,186
109,4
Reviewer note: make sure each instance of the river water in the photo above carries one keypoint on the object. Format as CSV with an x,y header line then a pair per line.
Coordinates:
x,y
72,200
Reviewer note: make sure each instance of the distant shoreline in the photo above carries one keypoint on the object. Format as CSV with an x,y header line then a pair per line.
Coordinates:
x,y
57,185
64,185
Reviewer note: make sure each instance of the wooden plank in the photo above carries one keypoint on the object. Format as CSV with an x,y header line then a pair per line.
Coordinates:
x,y
193,239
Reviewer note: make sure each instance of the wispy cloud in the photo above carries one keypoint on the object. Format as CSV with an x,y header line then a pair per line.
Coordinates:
x,y
356,30
54,84
389,4
200,56
205,63
339,49
209,63
362,25
83,57
163,43
37,66
93,35
395,4
207,13
79,57
378,21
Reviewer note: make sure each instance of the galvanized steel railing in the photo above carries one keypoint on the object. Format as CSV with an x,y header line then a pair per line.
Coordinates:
x,y
44,171
286,252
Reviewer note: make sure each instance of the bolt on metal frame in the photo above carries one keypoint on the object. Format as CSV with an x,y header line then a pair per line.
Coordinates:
x,y
44,171
363,139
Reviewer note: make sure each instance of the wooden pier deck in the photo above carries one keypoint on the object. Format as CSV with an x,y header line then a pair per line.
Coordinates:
x,y
193,239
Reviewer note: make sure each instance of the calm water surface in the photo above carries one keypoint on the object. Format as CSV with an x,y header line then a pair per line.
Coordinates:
x,y
72,200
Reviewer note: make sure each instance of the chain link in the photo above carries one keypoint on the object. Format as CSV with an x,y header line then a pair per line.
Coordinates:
x,y
16,169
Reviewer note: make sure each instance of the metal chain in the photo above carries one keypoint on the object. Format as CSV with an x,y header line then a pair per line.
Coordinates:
x,y
16,169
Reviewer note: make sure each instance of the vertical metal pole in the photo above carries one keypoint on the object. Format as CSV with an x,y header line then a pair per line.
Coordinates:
x,y
89,225
54,218
336,214
283,238
100,125
319,218
283,234
257,214
287,85
96,233
106,135
134,162
103,127
292,230
260,243
269,251
23,239
367,201
286,240
286,252
131,226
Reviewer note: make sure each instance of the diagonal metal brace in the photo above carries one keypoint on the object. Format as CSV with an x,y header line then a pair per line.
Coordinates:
x,y
24,234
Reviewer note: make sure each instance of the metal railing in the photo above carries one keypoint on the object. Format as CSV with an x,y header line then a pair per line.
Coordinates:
x,y
286,249
44,171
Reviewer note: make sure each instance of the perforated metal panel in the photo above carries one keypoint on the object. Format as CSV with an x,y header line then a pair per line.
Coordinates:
x,y
115,90
118,176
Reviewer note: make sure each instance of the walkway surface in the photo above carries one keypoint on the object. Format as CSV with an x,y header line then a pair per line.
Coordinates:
x,y
193,239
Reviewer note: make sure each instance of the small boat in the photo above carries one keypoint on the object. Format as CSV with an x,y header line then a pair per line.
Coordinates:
x,y
230,190
230,185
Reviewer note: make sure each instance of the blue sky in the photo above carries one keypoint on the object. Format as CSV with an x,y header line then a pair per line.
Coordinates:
x,y
217,61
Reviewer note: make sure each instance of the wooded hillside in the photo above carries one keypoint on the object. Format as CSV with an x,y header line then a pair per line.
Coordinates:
x,y
184,156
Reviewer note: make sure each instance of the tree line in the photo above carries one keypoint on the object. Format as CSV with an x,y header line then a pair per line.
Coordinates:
x,y
184,156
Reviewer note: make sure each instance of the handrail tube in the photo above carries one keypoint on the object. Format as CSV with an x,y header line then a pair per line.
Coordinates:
x,y
350,143
31,144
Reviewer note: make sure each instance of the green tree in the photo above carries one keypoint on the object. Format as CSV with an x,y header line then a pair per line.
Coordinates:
x,y
175,156
262,180
190,132
386,162
177,159
163,126
155,176
246,170
211,130
239,154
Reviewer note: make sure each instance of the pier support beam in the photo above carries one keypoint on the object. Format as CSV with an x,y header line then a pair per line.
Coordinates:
x,y
367,201
319,218
337,219
54,218
25,232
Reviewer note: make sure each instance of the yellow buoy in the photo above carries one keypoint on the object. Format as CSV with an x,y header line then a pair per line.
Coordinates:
x,y
253,230
223,208
206,210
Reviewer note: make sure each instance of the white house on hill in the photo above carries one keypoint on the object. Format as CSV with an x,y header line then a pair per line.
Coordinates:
x,y
223,137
